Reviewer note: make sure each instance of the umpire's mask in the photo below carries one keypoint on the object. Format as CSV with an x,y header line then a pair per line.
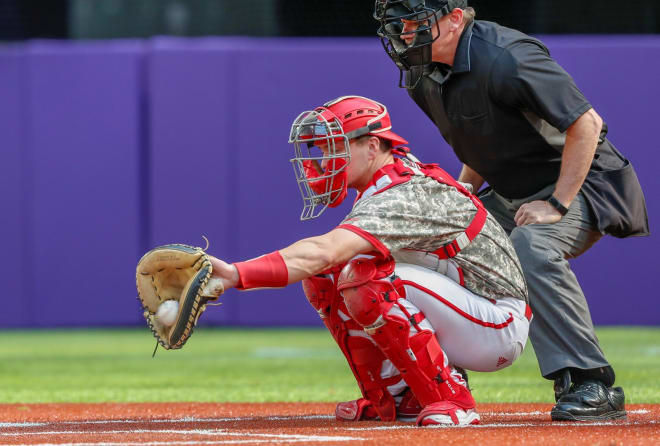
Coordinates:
x,y
427,13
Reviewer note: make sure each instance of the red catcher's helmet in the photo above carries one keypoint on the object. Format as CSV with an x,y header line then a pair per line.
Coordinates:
x,y
342,119
360,116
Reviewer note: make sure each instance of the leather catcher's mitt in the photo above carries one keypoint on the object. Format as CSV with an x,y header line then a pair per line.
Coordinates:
x,y
181,273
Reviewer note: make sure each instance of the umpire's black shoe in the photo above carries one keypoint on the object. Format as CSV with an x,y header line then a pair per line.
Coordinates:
x,y
590,401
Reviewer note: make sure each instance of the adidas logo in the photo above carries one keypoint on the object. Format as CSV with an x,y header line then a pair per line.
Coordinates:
x,y
501,361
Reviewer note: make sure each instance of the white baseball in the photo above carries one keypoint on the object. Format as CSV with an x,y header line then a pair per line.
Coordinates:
x,y
167,312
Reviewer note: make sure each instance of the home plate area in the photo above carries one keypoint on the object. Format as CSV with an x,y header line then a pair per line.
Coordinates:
x,y
300,423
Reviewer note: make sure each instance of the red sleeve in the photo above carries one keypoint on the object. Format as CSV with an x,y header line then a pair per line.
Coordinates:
x,y
377,244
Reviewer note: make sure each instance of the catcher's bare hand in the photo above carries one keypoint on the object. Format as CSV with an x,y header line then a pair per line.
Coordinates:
x,y
224,271
536,212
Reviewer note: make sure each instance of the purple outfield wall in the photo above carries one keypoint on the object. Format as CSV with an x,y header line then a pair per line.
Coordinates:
x,y
110,148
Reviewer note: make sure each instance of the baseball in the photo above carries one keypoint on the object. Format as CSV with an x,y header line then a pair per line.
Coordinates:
x,y
167,312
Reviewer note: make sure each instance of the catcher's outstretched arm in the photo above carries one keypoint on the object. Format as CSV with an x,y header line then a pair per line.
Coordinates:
x,y
310,256
185,278
298,261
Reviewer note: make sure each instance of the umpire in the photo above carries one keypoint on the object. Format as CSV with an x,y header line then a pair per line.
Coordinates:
x,y
517,120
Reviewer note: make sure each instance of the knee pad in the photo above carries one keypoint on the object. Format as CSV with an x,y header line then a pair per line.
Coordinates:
x,y
320,292
366,291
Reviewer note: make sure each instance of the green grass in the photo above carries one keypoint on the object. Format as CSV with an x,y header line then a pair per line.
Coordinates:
x,y
221,365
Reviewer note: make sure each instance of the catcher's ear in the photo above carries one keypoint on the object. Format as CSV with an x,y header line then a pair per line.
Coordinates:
x,y
374,146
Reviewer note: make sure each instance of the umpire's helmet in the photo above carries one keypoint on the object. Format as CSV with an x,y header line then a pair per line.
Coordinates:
x,y
390,14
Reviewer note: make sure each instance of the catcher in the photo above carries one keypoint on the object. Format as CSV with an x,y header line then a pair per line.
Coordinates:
x,y
417,283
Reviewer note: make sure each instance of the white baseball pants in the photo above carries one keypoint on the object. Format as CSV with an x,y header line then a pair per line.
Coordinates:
x,y
475,333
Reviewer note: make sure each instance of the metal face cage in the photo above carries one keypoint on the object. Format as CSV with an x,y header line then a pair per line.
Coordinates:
x,y
310,132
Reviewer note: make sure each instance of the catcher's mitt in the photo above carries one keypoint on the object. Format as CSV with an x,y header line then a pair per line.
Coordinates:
x,y
181,273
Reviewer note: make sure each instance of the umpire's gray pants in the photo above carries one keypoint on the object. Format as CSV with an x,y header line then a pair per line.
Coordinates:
x,y
561,331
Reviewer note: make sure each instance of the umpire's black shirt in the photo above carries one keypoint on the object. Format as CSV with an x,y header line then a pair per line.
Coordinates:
x,y
504,107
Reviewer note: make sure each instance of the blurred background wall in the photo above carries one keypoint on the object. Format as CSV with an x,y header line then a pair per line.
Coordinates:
x,y
103,19
113,141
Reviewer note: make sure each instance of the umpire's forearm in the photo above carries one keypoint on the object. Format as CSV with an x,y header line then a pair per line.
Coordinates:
x,y
470,176
581,143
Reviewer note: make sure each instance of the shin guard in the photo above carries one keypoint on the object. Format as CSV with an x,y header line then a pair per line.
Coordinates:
x,y
370,296
364,358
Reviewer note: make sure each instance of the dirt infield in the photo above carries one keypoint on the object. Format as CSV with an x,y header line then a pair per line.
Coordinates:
x,y
301,423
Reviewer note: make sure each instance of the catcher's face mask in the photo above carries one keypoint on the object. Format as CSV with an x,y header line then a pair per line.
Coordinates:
x,y
319,164
321,140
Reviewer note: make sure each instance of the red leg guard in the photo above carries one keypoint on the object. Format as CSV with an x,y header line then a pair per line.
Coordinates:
x,y
364,358
370,298
321,293
367,361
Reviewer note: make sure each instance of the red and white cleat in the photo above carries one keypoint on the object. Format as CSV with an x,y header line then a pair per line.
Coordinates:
x,y
447,413
356,410
407,409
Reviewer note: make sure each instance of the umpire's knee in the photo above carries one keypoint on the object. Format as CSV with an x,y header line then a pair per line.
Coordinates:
x,y
533,248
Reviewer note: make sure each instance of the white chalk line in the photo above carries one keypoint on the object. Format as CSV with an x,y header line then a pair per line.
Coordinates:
x,y
207,432
175,420
506,425
21,424
515,414
255,438
272,418
218,432
159,443
547,413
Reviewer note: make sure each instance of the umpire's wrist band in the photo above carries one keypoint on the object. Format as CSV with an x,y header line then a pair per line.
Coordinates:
x,y
268,271
563,210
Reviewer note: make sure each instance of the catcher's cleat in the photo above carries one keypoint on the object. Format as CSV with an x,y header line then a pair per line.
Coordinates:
x,y
447,413
590,401
356,410
362,409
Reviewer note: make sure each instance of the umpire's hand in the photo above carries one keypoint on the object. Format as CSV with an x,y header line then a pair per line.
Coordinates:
x,y
536,212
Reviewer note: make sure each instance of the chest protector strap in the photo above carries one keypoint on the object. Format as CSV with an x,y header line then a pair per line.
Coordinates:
x,y
397,173
452,248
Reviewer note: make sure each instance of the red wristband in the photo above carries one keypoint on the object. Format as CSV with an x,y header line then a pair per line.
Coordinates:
x,y
268,271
